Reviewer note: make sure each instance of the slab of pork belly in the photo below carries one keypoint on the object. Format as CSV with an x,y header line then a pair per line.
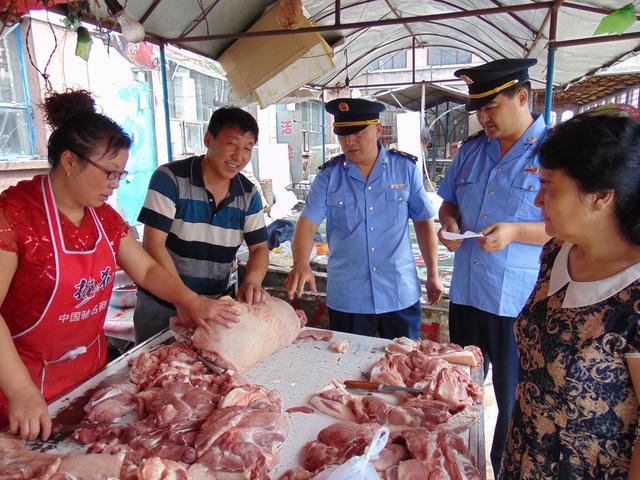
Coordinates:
x,y
261,330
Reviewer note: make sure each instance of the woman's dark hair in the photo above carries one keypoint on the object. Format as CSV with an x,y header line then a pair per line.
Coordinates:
x,y
601,152
229,117
77,127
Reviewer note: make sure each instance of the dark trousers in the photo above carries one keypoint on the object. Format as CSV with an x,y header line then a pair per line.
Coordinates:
x,y
401,323
494,335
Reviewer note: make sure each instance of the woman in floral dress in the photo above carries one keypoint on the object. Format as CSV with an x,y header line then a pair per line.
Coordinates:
x,y
576,411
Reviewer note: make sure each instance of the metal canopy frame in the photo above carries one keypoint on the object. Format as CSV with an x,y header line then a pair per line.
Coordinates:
x,y
371,29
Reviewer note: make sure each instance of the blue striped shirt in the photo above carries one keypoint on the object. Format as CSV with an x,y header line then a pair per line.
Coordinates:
x,y
202,237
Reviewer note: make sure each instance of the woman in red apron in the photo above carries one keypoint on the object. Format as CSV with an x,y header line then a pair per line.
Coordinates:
x,y
59,246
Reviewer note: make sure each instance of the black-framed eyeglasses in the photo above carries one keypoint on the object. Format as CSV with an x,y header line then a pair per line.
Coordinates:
x,y
111,174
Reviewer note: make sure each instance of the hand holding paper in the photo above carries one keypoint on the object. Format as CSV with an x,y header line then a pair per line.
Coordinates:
x,y
460,236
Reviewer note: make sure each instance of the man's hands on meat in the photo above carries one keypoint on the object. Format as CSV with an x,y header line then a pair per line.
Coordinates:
x,y
202,309
252,293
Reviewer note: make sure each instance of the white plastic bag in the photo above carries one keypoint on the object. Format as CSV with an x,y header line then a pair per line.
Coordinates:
x,y
359,468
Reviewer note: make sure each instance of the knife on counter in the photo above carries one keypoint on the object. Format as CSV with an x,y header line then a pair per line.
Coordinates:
x,y
378,387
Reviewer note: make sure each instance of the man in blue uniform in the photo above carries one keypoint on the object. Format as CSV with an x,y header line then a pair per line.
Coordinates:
x,y
490,188
368,194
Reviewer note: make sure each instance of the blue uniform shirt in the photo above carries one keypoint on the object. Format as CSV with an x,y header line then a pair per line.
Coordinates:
x,y
371,267
488,189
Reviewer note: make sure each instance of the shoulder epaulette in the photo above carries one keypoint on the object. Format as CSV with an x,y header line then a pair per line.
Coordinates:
x,y
478,134
408,156
332,161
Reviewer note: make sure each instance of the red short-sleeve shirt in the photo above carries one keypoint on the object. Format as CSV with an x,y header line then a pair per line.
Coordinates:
x,y
24,230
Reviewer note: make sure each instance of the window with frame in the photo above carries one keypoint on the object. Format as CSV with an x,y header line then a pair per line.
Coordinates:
x,y
311,113
392,62
447,56
17,139
193,97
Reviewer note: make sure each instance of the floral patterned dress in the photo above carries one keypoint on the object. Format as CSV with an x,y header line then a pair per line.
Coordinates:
x,y
576,412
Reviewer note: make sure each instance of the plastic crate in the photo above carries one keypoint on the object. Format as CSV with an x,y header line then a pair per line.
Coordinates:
x,y
299,189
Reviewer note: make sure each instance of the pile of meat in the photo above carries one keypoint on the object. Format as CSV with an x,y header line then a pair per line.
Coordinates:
x,y
424,427
18,462
413,454
189,423
261,330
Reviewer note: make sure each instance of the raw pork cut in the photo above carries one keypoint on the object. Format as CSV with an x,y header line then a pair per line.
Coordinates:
x,y
261,330
470,356
238,439
17,462
413,454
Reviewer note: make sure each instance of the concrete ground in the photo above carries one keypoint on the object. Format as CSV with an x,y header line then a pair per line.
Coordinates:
x,y
490,416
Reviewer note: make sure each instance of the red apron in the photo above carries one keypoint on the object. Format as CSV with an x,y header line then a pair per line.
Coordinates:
x,y
66,344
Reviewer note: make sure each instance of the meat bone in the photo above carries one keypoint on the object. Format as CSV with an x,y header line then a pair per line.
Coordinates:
x,y
378,387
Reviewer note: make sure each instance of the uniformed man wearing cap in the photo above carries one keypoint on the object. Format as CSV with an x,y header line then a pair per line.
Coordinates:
x,y
490,188
368,194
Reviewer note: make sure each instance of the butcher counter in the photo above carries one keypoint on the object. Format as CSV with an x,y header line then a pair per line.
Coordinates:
x,y
298,371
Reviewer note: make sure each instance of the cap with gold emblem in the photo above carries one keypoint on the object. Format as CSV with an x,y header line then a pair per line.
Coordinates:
x,y
486,81
351,115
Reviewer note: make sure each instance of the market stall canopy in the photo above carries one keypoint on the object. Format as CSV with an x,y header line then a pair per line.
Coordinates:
x,y
362,31
410,98
594,87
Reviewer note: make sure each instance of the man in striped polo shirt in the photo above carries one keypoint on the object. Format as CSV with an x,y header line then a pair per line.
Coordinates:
x,y
197,213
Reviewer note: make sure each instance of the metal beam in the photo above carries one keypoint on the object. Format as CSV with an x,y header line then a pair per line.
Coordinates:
x,y
345,7
149,11
165,101
539,34
517,18
376,23
551,52
588,8
589,40
197,21
397,15
337,73
488,22
358,72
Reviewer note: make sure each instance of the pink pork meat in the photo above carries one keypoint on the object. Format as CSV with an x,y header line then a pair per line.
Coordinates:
x,y
260,331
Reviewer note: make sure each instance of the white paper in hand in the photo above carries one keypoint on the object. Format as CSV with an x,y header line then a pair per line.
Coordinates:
x,y
461,236
359,468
